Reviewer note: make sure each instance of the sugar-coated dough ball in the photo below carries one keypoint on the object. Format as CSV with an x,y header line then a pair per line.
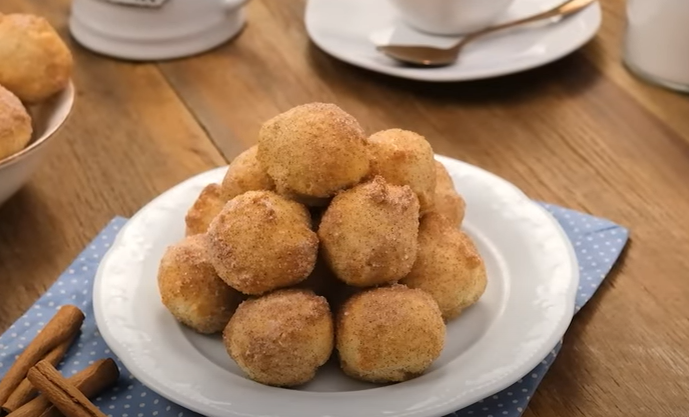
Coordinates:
x,y
368,233
245,174
447,201
448,266
15,124
389,334
261,241
34,62
191,290
282,338
312,151
405,158
208,204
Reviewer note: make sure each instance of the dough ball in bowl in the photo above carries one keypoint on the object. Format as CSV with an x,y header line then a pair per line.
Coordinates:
x,y
368,233
312,151
405,158
34,62
448,266
208,204
15,124
191,290
245,174
282,338
447,201
389,334
261,241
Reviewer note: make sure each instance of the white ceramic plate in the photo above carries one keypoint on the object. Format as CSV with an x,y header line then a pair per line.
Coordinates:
x,y
350,29
524,312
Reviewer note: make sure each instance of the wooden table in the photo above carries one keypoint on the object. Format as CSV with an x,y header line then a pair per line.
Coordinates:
x,y
581,132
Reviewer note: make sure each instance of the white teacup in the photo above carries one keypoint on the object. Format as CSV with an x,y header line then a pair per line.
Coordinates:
x,y
451,17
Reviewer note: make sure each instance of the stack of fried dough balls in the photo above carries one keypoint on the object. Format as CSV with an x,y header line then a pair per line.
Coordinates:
x,y
34,65
334,241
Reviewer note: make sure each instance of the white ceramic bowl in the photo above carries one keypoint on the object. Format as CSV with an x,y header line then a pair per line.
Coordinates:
x,y
175,29
451,17
47,117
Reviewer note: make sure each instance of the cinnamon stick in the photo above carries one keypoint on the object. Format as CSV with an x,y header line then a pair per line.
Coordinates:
x,y
64,325
26,391
65,396
91,381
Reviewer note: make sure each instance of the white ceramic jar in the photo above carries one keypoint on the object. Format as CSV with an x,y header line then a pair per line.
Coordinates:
x,y
155,29
657,41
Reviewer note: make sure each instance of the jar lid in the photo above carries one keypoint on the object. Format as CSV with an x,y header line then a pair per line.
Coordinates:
x,y
139,3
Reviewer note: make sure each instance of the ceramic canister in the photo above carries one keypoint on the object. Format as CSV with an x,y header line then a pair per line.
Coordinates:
x,y
155,29
657,41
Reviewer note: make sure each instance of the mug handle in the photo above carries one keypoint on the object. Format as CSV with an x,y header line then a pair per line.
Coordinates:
x,y
232,5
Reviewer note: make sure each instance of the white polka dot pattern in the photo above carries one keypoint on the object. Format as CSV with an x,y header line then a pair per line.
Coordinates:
x,y
74,286
597,243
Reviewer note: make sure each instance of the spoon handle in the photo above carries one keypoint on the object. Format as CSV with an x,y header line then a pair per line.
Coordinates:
x,y
567,8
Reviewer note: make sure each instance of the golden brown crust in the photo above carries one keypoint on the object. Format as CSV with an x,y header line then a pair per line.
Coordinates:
x,y
15,124
405,158
313,151
244,174
389,334
191,290
34,61
282,338
448,266
261,241
368,233
447,201
208,204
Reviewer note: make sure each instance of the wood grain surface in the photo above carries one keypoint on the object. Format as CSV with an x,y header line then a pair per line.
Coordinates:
x,y
581,132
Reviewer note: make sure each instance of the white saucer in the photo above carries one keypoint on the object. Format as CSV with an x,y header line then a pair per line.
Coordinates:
x,y
527,306
347,30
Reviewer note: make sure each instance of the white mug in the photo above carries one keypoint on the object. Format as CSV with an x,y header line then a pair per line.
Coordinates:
x,y
451,17
657,41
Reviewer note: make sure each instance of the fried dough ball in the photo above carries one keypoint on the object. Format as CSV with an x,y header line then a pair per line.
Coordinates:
x,y
15,124
245,174
389,334
34,62
447,201
205,208
261,241
405,158
191,290
282,338
368,233
448,266
312,151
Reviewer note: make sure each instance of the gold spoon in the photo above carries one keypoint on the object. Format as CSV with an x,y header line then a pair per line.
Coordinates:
x,y
429,56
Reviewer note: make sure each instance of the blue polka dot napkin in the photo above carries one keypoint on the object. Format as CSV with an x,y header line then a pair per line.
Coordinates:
x,y
597,243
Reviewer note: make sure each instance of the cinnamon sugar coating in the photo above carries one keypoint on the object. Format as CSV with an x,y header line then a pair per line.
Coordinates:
x,y
312,151
447,201
244,174
261,241
405,158
15,124
208,204
282,338
368,233
389,334
191,290
448,266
